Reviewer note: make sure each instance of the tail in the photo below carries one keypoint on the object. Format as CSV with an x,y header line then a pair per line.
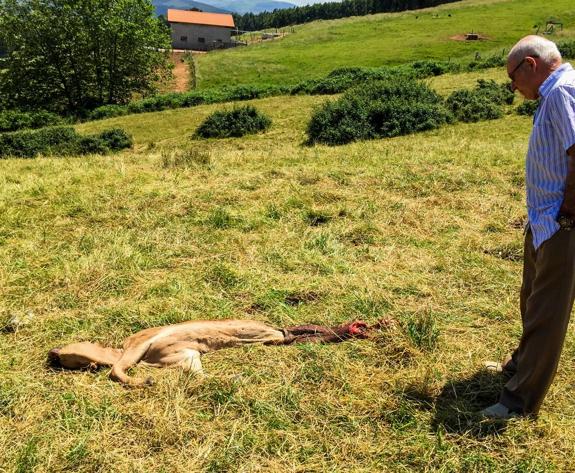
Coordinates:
x,y
129,358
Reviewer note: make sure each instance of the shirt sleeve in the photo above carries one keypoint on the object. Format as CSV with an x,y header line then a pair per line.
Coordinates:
x,y
563,106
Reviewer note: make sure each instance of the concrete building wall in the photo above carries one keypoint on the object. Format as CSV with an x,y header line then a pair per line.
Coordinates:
x,y
199,37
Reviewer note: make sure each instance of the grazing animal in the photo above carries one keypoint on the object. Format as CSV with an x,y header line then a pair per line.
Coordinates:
x,y
183,344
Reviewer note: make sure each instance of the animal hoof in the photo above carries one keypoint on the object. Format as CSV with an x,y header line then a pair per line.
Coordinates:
x,y
149,382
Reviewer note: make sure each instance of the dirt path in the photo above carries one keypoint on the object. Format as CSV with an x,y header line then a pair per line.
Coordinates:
x,y
181,73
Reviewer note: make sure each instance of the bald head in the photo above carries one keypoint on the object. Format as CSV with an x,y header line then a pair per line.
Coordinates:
x,y
530,62
535,46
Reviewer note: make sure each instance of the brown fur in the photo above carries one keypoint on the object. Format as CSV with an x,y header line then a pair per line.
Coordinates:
x,y
182,344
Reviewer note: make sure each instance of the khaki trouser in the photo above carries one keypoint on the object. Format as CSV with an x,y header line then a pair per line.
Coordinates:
x,y
546,301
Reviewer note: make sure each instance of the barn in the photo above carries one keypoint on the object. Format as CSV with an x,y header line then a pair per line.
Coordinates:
x,y
200,30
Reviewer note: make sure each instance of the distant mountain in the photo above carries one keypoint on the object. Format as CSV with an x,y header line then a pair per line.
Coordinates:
x,y
301,3
253,6
163,5
231,6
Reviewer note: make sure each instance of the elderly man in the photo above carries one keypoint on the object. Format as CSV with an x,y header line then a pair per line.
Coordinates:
x,y
535,68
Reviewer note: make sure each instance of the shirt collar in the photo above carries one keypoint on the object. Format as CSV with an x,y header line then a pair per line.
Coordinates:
x,y
552,80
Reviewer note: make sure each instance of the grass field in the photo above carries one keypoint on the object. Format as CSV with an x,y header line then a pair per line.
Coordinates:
x,y
314,49
424,229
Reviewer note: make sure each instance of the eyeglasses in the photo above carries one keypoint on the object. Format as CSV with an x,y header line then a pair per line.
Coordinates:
x,y
511,75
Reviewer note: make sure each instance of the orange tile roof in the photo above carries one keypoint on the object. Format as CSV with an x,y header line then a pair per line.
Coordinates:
x,y
201,18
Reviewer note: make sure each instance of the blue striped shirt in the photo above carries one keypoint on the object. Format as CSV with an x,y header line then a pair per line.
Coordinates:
x,y
547,161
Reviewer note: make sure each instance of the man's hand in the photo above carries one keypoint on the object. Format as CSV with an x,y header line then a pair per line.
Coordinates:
x,y
568,205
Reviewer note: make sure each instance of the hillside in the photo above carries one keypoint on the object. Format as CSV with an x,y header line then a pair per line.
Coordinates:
x,y
416,228
314,49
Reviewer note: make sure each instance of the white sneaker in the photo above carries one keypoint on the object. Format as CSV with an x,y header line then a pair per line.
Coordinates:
x,y
493,366
498,411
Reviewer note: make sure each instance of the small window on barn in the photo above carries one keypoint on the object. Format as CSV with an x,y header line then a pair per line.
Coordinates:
x,y
183,38
201,40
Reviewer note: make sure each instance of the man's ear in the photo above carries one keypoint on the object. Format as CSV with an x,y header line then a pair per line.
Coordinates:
x,y
532,62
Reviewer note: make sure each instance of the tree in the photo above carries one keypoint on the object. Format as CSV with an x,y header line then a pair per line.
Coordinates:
x,y
73,55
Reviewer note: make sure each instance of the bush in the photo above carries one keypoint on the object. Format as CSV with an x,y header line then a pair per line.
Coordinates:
x,y
500,94
342,79
493,61
60,141
340,122
27,144
483,103
191,99
233,123
468,106
13,120
528,107
115,139
108,111
376,110
88,145
249,92
567,49
337,81
428,68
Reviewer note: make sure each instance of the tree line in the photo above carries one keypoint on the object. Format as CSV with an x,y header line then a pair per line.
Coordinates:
x,y
327,11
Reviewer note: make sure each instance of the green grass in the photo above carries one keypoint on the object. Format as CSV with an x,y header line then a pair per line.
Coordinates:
x,y
422,228
314,49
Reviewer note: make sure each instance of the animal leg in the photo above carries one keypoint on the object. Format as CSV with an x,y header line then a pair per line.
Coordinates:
x,y
191,361
181,354
129,358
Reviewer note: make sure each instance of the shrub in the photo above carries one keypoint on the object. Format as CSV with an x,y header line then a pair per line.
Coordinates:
x,y
567,49
89,145
115,139
528,107
342,79
500,94
13,120
60,141
340,122
428,68
27,144
335,82
191,99
249,92
237,122
108,111
378,109
493,61
468,106
483,103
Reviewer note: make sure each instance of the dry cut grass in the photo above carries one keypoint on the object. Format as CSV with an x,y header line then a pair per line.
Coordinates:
x,y
424,229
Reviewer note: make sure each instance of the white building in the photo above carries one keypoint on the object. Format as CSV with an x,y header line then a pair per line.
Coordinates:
x,y
199,30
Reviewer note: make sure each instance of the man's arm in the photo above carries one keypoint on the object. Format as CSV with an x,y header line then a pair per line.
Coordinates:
x,y
568,205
